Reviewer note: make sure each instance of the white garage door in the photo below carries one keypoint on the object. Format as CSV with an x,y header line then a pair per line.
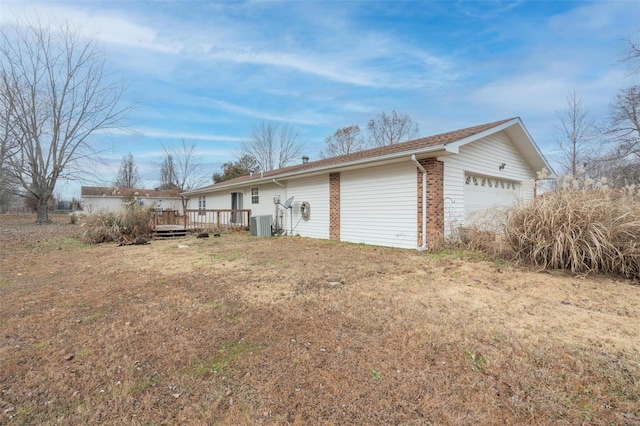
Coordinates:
x,y
483,194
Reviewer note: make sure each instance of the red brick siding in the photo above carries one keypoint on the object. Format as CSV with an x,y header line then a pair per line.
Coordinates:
x,y
334,206
435,201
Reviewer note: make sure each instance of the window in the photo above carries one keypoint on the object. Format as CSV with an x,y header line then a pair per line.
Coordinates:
x,y
255,195
202,204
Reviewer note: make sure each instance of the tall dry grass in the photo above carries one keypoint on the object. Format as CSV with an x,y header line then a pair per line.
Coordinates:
x,y
105,226
582,227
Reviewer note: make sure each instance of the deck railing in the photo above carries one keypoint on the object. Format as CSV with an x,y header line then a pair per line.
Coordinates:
x,y
166,217
216,219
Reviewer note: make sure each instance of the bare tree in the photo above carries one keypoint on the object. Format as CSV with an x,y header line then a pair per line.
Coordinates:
x,y
128,176
168,173
272,146
390,129
624,134
60,97
625,122
180,167
576,135
7,144
344,141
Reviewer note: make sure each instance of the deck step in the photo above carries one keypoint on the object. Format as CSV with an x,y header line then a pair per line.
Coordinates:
x,y
160,233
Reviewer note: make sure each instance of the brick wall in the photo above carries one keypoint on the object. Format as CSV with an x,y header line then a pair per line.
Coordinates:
x,y
435,201
334,206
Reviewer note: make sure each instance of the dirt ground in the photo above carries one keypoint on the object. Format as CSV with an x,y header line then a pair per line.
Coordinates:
x,y
288,330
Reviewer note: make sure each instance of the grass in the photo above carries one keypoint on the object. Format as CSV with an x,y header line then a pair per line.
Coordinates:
x,y
579,229
220,360
75,243
406,337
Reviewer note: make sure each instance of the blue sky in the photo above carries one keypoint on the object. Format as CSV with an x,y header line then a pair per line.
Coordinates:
x,y
207,72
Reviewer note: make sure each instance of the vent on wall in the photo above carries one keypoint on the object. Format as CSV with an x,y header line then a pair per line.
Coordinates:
x,y
261,225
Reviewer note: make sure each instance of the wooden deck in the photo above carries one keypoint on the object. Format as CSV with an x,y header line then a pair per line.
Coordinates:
x,y
167,223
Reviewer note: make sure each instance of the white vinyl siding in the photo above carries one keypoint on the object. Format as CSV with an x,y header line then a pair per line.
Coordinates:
x,y
483,157
315,191
379,205
94,204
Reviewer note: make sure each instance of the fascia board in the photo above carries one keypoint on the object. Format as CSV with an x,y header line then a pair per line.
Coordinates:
x,y
454,147
341,166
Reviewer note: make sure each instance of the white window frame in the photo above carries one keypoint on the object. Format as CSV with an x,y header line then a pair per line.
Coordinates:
x,y
202,204
255,195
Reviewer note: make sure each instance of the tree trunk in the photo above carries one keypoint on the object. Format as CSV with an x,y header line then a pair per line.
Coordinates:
x,y
43,211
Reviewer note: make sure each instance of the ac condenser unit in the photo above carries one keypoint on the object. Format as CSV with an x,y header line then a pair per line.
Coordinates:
x,y
261,225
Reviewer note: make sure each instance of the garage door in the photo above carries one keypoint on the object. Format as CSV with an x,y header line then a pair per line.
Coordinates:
x,y
482,194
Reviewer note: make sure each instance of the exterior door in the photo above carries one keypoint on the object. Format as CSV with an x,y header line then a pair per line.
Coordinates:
x,y
236,204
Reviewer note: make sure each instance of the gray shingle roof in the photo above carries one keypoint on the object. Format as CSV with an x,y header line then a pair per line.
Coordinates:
x,y
441,139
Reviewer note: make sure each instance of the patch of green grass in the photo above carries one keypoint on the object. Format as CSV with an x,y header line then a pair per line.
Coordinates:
x,y
497,336
4,283
476,361
142,386
223,358
74,242
446,254
228,256
83,354
376,374
91,318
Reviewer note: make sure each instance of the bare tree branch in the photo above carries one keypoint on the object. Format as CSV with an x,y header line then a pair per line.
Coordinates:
x,y
272,146
60,97
181,168
128,176
576,135
390,129
344,141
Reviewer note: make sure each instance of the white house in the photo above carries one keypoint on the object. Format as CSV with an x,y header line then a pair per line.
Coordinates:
x,y
403,195
96,198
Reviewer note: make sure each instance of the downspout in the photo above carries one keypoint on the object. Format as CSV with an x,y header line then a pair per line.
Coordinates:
x,y
424,204
278,183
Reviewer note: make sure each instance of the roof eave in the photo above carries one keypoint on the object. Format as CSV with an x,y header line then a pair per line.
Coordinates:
x,y
442,149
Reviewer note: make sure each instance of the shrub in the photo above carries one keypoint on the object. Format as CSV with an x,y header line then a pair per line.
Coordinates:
x,y
579,229
106,226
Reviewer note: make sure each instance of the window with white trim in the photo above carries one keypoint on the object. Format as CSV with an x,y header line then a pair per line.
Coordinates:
x,y
255,195
202,204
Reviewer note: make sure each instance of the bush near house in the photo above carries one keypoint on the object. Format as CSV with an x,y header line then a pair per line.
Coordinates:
x,y
583,227
104,227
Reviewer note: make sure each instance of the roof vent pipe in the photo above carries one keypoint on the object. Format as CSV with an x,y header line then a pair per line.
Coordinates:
x,y
305,159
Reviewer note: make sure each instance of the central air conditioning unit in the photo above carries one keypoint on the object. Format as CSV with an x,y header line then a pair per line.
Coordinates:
x,y
261,225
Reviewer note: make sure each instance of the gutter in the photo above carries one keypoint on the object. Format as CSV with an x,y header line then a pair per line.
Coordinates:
x,y
424,204
277,183
388,157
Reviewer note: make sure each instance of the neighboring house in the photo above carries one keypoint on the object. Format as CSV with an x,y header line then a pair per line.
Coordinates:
x,y
95,199
380,196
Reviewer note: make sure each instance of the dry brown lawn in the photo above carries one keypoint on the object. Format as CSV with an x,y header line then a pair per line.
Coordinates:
x,y
287,330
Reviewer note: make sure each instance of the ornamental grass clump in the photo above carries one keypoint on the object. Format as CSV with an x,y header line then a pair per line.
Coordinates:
x,y
104,227
583,227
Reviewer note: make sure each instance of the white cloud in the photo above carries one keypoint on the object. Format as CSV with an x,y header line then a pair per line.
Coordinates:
x,y
164,134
